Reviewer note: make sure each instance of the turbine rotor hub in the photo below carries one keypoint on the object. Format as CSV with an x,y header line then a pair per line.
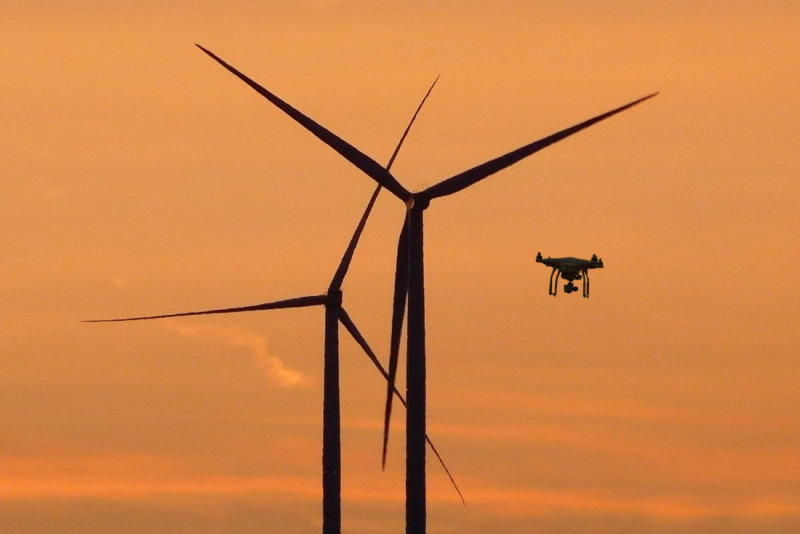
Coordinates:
x,y
417,201
333,297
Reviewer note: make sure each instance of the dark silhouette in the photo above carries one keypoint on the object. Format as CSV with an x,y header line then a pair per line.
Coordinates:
x,y
409,277
570,269
334,313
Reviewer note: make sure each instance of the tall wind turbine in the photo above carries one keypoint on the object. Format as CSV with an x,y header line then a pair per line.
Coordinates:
x,y
334,313
409,277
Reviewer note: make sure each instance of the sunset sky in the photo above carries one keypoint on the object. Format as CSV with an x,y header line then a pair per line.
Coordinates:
x,y
139,177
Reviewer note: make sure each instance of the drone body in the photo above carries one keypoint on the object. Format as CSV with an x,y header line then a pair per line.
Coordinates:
x,y
570,269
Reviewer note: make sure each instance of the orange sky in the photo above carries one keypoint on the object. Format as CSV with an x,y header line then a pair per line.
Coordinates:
x,y
140,177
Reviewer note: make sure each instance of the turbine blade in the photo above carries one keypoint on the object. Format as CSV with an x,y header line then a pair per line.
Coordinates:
x,y
368,165
299,302
467,178
446,470
398,311
348,323
413,118
344,265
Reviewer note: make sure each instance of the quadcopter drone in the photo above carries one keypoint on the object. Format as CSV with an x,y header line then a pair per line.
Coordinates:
x,y
570,269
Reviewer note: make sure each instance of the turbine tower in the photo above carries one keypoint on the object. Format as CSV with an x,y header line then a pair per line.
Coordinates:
x,y
334,314
409,277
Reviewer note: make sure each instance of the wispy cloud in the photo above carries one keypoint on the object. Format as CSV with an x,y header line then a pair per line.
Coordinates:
x,y
273,367
534,501
68,475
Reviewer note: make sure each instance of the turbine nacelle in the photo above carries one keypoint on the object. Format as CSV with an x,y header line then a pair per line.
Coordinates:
x,y
333,297
417,201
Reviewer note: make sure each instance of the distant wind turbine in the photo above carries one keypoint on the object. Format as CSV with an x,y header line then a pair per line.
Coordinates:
x,y
334,313
409,276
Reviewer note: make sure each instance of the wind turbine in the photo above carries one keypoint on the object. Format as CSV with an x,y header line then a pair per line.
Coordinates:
x,y
409,276
334,314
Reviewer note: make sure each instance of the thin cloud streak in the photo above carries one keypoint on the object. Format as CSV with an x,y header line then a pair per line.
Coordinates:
x,y
612,411
278,373
534,501
133,477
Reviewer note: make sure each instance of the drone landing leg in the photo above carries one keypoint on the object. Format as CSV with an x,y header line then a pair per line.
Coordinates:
x,y
550,289
586,283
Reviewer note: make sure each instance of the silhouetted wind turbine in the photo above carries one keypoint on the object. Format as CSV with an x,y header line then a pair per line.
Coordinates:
x,y
409,277
334,313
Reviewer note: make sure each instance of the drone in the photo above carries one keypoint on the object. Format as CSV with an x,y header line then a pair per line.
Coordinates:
x,y
570,269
